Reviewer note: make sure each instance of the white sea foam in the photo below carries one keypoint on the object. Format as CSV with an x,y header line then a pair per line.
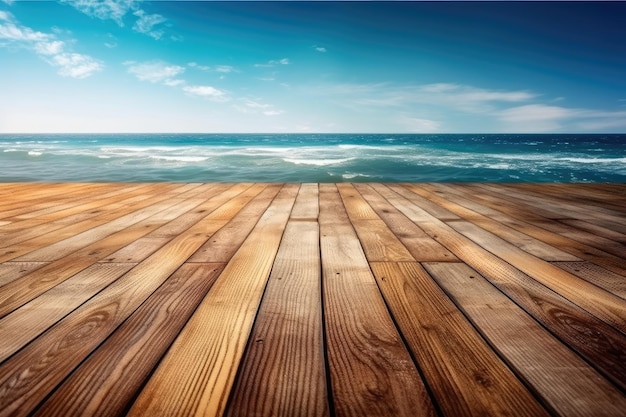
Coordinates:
x,y
34,153
179,158
317,162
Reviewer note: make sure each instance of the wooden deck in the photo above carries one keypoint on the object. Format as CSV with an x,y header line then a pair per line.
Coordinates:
x,y
312,299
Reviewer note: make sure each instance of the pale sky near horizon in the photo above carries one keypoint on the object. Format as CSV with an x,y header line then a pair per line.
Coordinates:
x,y
394,67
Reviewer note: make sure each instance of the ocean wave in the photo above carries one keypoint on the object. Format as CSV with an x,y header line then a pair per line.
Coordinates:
x,y
179,158
317,162
35,153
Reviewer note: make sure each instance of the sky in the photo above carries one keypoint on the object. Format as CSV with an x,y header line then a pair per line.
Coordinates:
x,y
105,66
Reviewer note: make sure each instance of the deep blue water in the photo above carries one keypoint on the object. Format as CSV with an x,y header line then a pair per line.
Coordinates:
x,y
314,157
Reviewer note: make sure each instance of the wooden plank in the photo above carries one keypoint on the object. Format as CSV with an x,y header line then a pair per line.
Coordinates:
x,y
421,246
600,344
461,207
379,243
602,304
283,370
561,378
526,222
307,203
66,246
74,233
200,367
355,205
107,382
596,275
34,317
227,240
465,376
20,291
29,376
371,371
10,271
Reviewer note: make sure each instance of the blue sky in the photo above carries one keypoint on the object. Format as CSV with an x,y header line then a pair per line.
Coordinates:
x,y
416,67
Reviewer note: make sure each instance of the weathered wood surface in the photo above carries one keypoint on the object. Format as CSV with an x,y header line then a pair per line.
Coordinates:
x,y
321,300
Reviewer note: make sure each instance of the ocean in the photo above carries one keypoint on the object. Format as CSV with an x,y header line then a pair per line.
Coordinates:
x,y
314,157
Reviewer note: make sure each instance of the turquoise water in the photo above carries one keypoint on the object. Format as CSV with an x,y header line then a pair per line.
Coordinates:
x,y
313,157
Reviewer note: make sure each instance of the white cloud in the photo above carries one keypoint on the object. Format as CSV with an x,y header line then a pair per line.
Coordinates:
x,y
75,65
225,69
250,106
274,62
206,91
320,48
105,9
451,96
273,112
546,118
418,125
116,10
146,23
48,47
112,41
156,72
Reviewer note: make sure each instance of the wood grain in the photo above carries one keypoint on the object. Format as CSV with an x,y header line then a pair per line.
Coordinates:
x,y
199,369
466,377
371,371
565,382
283,370
107,382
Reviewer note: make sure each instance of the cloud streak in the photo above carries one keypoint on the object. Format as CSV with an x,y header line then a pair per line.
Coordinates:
x,y
206,92
46,45
156,72
117,10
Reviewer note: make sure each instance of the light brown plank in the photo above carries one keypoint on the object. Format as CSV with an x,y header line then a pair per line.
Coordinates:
x,y
107,382
371,371
283,370
226,241
596,341
560,377
34,317
421,246
597,275
464,209
30,375
601,303
199,370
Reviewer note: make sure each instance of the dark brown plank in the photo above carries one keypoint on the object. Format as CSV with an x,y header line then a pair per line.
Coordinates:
x,y
466,377
560,377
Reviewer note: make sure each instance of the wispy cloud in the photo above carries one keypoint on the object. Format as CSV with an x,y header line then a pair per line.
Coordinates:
x,y
452,96
117,10
224,69
419,125
546,118
146,23
319,48
207,92
46,45
273,63
250,106
105,9
9,2
156,72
